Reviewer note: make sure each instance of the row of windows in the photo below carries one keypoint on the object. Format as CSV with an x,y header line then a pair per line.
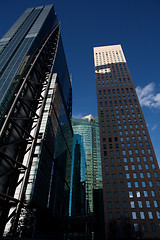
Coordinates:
x,y
136,151
115,99
139,204
128,145
131,194
123,109
149,214
129,175
134,144
115,85
142,215
104,79
131,185
109,91
147,204
131,167
113,66
124,152
125,159
109,57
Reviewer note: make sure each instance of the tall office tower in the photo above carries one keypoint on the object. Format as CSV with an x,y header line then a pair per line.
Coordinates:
x,y
35,128
131,182
86,138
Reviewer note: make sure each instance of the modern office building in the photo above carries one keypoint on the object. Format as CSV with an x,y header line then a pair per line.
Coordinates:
x,y
35,127
131,181
87,169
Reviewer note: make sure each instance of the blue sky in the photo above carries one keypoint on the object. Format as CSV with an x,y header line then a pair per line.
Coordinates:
x,y
87,23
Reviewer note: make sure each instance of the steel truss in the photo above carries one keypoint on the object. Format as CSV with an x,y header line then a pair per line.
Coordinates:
x,y
19,132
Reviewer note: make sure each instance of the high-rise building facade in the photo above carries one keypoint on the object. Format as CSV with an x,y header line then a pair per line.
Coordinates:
x,y
35,127
86,133
87,169
131,181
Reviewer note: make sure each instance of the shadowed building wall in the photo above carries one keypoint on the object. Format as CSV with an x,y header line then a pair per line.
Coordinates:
x,y
131,183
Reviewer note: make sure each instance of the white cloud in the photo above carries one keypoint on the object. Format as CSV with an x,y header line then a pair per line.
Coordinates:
x,y
154,127
78,115
148,96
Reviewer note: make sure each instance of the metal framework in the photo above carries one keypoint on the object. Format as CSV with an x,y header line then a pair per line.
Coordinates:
x,y
19,132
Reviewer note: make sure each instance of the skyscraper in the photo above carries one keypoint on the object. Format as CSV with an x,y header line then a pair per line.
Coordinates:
x,y
131,182
35,127
86,155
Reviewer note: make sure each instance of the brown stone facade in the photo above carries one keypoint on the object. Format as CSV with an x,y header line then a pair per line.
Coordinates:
x,y
131,182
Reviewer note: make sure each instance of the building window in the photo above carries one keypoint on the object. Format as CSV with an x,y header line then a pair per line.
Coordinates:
x,y
155,174
110,215
146,166
153,227
107,185
150,183
140,204
129,184
113,176
150,215
138,159
130,193
109,204
114,185
136,151
132,204
122,185
134,216
153,193
118,215
148,174
155,203
123,194
107,176
142,215
124,152
117,205
115,194
108,195
120,176
126,167
139,166
127,176
143,184
106,168
153,166
133,167
144,159
158,183
145,193
138,194
144,226
136,227
141,175
136,184
148,204
124,204
131,159
158,214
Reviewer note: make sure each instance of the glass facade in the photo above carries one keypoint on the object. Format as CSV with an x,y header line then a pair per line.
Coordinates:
x,y
23,40
86,179
86,133
36,91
